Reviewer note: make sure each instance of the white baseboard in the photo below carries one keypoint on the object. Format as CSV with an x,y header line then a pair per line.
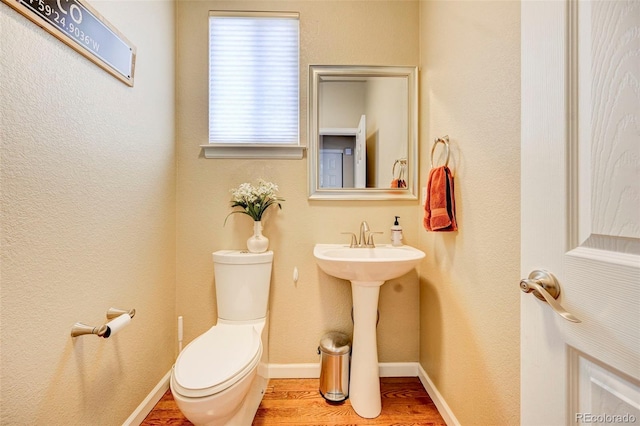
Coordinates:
x,y
398,369
312,370
436,397
294,371
149,402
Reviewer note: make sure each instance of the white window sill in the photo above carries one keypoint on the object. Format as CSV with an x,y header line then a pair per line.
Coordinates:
x,y
218,150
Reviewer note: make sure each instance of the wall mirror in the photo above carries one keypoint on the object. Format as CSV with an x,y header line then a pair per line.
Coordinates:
x,y
363,132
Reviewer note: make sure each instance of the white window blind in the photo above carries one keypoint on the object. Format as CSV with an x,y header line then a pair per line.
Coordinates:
x,y
253,78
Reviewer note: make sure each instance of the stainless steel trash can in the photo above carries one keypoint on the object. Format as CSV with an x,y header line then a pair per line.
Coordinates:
x,y
335,353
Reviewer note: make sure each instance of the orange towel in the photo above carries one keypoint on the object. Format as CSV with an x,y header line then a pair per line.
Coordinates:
x,y
398,183
440,206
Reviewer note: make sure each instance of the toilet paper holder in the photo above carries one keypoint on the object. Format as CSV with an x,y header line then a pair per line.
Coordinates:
x,y
80,329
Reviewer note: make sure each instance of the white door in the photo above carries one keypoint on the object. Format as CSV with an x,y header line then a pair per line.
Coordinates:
x,y
360,164
581,211
331,172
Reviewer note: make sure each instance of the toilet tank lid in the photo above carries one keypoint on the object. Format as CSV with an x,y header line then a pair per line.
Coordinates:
x,y
241,257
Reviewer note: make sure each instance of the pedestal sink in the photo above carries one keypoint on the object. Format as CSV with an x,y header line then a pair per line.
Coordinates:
x,y
367,269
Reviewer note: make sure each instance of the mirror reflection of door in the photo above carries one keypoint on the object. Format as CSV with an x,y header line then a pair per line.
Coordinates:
x,y
360,172
331,172
343,156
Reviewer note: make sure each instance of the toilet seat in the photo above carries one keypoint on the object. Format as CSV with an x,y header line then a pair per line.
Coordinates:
x,y
216,360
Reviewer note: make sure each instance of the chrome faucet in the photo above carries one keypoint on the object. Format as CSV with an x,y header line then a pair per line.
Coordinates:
x,y
366,237
364,228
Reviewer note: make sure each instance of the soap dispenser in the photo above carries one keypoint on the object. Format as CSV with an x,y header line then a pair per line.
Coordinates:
x,y
396,233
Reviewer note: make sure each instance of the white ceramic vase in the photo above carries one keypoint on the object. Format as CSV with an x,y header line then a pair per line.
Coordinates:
x,y
257,243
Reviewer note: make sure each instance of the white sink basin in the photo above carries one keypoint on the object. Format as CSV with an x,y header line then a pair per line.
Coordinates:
x,y
373,265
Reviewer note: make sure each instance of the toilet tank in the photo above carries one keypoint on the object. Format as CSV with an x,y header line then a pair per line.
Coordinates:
x,y
242,281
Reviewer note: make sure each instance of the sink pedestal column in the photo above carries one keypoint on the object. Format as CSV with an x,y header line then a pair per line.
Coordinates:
x,y
364,388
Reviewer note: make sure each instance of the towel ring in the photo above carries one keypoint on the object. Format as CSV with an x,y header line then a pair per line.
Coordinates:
x,y
443,140
403,164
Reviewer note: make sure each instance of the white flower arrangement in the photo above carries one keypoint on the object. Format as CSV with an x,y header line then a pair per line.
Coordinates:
x,y
254,200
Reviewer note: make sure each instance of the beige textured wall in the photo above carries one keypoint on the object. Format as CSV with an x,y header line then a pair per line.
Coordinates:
x,y
332,32
470,90
88,220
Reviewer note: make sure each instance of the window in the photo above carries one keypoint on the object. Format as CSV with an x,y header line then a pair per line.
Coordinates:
x,y
253,84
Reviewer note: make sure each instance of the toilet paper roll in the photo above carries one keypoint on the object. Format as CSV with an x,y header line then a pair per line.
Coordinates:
x,y
117,324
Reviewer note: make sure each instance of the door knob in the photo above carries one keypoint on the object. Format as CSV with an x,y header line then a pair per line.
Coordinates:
x,y
546,288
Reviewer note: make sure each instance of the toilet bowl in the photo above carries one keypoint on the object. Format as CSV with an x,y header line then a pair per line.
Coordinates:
x,y
219,378
214,373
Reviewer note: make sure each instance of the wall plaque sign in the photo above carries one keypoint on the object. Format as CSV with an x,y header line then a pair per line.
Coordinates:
x,y
82,28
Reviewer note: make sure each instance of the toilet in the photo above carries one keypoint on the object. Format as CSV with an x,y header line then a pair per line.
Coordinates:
x,y
219,378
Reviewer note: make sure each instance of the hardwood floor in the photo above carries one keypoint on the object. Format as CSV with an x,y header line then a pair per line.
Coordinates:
x,y
298,402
